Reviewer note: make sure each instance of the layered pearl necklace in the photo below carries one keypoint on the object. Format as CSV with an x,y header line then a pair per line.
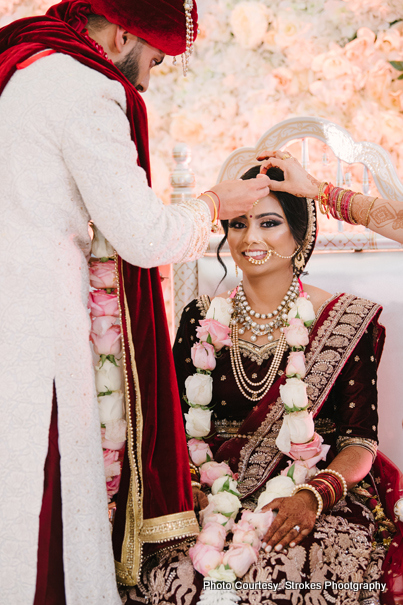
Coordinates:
x,y
245,316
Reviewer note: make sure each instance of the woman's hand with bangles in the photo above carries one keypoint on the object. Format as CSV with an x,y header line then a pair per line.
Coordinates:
x,y
296,180
294,521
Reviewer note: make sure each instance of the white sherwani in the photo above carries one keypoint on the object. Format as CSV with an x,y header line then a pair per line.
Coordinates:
x,y
65,156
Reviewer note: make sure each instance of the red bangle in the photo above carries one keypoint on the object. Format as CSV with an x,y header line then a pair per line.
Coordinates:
x,y
219,203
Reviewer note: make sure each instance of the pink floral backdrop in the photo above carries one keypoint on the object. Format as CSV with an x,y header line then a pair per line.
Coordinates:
x,y
257,63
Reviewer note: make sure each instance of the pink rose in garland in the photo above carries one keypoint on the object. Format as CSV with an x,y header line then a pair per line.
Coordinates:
x,y
101,303
203,356
244,533
199,451
205,558
310,452
101,324
240,557
296,364
296,333
210,471
213,534
214,330
103,275
112,486
108,344
111,463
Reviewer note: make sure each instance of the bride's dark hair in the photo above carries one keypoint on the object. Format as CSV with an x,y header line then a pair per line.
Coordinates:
x,y
294,208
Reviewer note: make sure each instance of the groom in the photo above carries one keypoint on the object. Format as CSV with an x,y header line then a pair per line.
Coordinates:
x,y
74,147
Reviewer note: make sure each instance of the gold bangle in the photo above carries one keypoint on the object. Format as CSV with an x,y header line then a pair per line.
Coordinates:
x,y
336,474
322,206
214,222
338,204
195,484
350,210
317,495
369,210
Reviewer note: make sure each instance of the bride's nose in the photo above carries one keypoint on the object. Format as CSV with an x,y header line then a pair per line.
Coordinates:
x,y
252,233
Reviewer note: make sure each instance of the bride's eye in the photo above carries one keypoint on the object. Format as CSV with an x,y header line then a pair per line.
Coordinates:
x,y
269,224
236,225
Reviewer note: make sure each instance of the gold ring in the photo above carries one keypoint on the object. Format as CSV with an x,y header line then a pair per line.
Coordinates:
x,y
255,203
286,156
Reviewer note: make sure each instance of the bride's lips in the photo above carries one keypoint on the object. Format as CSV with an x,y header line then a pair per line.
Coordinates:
x,y
256,254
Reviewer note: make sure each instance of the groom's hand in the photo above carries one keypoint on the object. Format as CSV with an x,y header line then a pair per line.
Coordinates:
x,y
237,197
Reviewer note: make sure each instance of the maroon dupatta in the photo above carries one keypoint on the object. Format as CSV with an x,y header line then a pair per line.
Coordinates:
x,y
155,503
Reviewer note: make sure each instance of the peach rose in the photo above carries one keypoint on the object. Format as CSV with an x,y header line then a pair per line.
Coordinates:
x,y
112,486
101,303
103,275
296,333
108,344
203,356
260,520
213,534
245,533
240,557
199,451
219,333
204,558
101,324
210,471
296,364
310,452
111,463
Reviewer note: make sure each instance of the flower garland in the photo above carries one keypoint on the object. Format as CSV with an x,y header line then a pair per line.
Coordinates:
x,y
106,338
297,438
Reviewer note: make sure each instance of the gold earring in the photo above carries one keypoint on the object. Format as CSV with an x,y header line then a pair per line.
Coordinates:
x,y
236,269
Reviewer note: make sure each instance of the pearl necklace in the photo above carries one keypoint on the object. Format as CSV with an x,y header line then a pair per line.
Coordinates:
x,y
255,393
244,314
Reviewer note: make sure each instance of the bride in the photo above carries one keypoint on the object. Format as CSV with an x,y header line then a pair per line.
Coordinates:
x,y
286,391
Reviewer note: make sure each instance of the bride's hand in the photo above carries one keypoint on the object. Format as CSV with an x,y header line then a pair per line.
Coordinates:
x,y
200,499
296,180
299,510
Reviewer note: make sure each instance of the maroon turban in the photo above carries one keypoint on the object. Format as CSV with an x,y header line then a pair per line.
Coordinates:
x,y
161,23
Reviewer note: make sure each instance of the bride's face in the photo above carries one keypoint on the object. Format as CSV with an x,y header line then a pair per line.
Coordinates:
x,y
263,228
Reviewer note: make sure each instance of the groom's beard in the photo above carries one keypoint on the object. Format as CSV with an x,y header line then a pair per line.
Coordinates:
x,y
129,66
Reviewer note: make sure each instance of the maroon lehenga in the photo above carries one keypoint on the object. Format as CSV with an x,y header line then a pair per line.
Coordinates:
x,y
349,544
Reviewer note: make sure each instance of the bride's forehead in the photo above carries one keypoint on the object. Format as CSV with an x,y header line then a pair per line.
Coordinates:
x,y
269,203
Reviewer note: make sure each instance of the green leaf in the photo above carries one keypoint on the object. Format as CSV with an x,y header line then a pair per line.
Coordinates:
x,y
234,493
209,339
227,514
397,65
291,472
102,359
105,393
308,323
400,77
225,486
208,458
112,359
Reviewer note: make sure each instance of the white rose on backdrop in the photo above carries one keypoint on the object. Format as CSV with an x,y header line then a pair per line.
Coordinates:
x,y
278,487
249,21
392,128
225,503
100,248
304,308
199,389
297,427
198,422
220,310
293,393
218,484
108,377
187,130
111,407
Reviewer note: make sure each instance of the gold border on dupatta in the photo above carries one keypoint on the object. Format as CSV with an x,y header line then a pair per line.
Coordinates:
x,y
138,531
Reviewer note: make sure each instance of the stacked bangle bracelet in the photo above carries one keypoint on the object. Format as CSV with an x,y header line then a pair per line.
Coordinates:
x,y
316,493
214,223
338,203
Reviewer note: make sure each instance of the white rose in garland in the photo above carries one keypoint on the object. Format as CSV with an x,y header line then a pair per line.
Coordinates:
x,y
199,389
225,483
101,248
297,427
303,309
111,407
198,422
278,487
225,503
220,310
108,377
293,394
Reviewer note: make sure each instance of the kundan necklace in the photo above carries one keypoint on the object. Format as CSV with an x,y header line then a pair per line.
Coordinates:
x,y
245,316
